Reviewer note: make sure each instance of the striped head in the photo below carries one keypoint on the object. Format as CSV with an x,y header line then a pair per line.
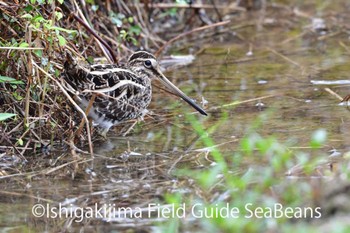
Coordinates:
x,y
145,65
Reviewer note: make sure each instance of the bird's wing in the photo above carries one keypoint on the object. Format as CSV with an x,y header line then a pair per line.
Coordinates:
x,y
115,88
108,79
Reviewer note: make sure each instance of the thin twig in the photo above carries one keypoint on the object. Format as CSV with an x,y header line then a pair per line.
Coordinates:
x,y
190,32
106,49
50,170
102,43
333,93
21,194
92,100
285,58
242,102
324,37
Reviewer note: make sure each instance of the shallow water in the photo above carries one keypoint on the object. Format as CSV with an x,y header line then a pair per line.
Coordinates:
x,y
281,80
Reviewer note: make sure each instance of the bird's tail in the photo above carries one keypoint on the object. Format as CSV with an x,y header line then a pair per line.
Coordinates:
x,y
70,62
74,74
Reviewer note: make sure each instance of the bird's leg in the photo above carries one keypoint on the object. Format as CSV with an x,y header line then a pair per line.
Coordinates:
x,y
81,125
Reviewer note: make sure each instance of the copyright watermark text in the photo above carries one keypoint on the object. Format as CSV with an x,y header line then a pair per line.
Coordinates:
x,y
110,211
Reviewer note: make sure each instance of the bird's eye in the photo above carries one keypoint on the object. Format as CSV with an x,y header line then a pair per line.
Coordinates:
x,y
148,64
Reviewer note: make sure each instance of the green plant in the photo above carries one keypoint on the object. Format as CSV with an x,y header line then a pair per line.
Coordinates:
x,y
46,28
12,81
129,30
246,191
5,116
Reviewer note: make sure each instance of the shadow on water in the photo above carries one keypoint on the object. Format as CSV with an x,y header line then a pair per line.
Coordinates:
x,y
272,76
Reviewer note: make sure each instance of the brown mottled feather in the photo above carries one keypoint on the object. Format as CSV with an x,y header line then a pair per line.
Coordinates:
x,y
128,101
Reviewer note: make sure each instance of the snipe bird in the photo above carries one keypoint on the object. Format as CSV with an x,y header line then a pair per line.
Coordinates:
x,y
121,92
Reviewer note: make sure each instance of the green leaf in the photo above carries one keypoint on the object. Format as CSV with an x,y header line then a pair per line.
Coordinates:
x,y
28,8
27,16
133,41
318,138
5,115
38,52
38,19
61,40
5,79
90,59
17,96
57,73
23,45
117,18
59,15
20,142
116,21
135,30
247,145
61,1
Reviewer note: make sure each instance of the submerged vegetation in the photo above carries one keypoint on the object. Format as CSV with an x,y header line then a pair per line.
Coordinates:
x,y
271,157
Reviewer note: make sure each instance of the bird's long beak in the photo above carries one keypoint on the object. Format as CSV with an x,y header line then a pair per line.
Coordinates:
x,y
179,93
